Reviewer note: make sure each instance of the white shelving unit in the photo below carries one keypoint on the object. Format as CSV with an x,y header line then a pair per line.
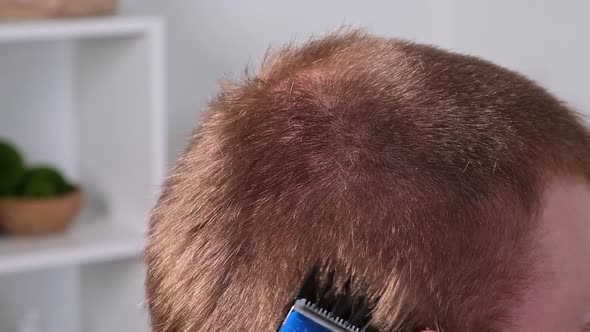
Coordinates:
x,y
87,96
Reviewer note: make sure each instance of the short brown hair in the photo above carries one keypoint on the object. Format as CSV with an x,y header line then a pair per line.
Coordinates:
x,y
415,171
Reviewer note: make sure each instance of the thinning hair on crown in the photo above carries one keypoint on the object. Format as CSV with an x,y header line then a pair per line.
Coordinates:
x,y
413,171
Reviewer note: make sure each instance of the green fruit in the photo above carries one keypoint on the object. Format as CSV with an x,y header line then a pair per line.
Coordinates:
x,y
68,188
12,168
43,181
39,188
48,173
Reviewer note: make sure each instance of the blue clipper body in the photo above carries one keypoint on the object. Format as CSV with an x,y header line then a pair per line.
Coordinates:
x,y
297,322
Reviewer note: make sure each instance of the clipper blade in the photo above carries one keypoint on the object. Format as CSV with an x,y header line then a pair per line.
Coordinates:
x,y
307,317
323,306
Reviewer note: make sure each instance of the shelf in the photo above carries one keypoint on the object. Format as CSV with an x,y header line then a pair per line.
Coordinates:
x,y
64,29
71,91
98,242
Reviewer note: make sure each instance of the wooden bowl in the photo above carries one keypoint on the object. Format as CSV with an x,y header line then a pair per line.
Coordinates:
x,y
19,10
30,216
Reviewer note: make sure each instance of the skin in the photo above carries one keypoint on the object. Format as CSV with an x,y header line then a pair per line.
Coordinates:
x,y
560,301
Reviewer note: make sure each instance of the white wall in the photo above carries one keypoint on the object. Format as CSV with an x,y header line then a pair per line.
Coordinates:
x,y
547,40
207,39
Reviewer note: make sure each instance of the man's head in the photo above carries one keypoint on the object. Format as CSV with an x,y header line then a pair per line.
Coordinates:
x,y
441,184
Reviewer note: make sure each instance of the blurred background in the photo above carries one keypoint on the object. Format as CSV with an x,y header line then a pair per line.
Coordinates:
x,y
98,98
546,39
